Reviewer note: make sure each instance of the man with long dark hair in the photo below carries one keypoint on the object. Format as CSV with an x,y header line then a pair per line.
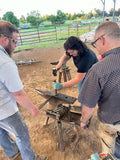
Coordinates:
x,y
83,58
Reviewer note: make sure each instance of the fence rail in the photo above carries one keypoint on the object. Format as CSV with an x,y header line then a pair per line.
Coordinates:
x,y
36,35
51,33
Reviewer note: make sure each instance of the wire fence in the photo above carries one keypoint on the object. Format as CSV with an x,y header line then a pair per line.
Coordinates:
x,y
53,33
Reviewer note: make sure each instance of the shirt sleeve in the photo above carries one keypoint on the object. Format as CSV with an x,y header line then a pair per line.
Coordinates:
x,y
91,90
10,77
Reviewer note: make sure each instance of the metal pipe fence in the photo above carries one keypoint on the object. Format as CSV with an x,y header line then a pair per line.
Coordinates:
x,y
52,33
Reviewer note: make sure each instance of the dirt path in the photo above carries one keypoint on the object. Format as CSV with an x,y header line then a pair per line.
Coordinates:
x,y
44,140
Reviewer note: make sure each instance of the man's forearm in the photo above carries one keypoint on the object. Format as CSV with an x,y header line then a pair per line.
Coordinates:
x,y
22,99
71,83
62,61
87,113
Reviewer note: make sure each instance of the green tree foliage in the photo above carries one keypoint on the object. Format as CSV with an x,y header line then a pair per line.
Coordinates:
x,y
111,12
9,16
72,17
90,14
98,13
67,15
34,18
53,19
59,18
118,12
22,19
46,17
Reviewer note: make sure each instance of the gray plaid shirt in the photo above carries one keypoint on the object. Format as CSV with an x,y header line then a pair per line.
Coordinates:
x,y
102,86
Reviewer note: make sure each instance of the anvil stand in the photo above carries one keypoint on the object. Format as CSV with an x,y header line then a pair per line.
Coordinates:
x,y
63,72
60,112
59,123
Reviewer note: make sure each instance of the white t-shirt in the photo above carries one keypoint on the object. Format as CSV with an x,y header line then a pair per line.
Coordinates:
x,y
9,82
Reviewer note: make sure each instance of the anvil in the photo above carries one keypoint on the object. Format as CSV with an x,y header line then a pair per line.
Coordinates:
x,y
49,94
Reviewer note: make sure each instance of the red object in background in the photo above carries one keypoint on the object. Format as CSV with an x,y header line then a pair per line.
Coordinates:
x,y
100,57
102,154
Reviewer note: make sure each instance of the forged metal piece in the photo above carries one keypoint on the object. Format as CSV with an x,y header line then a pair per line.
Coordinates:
x,y
59,96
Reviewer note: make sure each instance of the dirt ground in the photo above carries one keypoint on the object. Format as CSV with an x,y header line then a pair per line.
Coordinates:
x,y
44,139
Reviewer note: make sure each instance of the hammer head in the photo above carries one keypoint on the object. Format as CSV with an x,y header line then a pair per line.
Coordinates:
x,y
54,71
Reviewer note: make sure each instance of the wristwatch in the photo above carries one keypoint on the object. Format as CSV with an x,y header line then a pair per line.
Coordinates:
x,y
86,122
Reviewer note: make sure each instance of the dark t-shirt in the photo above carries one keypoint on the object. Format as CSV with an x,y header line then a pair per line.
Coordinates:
x,y
85,62
102,86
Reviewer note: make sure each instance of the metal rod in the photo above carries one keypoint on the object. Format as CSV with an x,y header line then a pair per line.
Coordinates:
x,y
60,136
41,106
47,121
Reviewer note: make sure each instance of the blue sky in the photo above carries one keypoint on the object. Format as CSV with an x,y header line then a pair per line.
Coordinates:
x,y
22,7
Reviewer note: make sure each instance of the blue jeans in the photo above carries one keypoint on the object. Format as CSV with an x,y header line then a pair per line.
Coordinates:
x,y
17,127
80,86
107,134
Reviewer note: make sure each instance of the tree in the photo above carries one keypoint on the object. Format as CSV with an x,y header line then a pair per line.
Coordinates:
x,y
59,18
22,19
72,17
98,12
34,18
53,19
118,12
111,12
90,14
79,15
82,13
46,17
67,15
9,16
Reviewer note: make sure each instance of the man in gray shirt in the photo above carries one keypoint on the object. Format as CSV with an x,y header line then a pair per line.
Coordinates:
x,y
11,91
102,83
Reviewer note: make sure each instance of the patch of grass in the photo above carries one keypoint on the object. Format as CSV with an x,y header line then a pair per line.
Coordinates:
x,y
41,45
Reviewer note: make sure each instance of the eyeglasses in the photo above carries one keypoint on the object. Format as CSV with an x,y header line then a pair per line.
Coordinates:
x,y
11,39
68,53
93,43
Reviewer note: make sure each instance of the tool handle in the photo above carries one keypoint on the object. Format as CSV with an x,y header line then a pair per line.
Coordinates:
x,y
55,89
41,106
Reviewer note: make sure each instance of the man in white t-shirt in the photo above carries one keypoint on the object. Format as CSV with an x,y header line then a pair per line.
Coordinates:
x,y
11,91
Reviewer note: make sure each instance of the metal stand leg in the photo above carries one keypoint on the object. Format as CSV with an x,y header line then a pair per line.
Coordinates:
x,y
47,121
60,136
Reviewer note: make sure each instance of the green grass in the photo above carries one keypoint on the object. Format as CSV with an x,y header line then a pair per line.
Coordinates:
x,y
41,45
62,34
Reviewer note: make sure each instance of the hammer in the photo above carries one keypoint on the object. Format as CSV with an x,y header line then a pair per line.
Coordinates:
x,y
55,89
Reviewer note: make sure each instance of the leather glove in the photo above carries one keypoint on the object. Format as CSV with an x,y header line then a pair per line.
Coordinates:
x,y
57,85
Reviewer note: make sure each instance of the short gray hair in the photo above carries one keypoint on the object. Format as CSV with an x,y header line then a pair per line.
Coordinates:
x,y
112,29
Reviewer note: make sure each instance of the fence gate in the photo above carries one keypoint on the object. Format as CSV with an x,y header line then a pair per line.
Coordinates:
x,y
37,35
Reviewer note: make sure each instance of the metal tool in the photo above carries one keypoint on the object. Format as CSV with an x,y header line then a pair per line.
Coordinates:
x,y
65,98
55,63
54,71
55,89
41,106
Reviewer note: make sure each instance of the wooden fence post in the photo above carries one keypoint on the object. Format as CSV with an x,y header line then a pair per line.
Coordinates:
x,y
68,30
77,29
56,32
20,39
38,34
